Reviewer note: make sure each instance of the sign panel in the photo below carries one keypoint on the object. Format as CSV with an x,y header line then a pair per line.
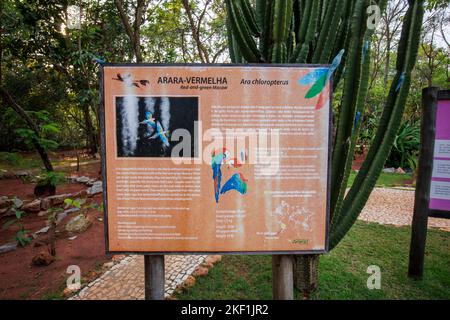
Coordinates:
x,y
216,158
440,181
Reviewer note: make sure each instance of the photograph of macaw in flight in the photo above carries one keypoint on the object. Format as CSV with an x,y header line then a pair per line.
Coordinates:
x,y
144,125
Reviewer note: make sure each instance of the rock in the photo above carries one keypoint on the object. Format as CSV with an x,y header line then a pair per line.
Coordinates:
x,y
8,247
17,203
55,200
400,171
33,206
108,265
43,230
59,198
97,187
72,238
60,217
43,258
200,272
118,257
213,259
3,210
389,170
77,224
46,203
207,265
189,282
68,292
82,179
91,182
42,213
4,174
4,202
79,194
20,174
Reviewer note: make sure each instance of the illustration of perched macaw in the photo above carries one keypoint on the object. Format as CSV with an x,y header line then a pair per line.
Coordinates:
x,y
218,158
236,182
161,134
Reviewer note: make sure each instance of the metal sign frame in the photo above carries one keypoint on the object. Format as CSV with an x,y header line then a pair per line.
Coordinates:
x,y
104,164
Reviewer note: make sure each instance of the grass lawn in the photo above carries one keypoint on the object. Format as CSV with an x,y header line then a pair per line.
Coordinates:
x,y
342,273
387,179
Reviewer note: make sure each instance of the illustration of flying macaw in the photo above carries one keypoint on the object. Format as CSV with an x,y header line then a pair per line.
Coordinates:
x,y
149,120
236,182
319,78
161,134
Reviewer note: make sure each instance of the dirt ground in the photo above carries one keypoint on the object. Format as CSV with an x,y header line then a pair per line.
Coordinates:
x,y
19,279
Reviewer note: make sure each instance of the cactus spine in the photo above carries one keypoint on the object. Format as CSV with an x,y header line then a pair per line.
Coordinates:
x,y
310,31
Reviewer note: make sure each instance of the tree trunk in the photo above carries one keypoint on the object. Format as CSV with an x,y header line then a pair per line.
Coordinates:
x,y
91,135
23,114
306,273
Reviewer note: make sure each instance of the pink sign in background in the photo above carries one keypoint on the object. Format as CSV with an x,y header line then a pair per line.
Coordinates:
x,y
440,183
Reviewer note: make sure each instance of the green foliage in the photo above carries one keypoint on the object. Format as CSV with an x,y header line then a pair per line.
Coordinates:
x,y
73,203
47,129
52,178
81,204
387,180
11,158
22,236
342,273
406,146
305,31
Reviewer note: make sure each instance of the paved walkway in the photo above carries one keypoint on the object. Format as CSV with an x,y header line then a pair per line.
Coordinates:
x,y
125,280
395,207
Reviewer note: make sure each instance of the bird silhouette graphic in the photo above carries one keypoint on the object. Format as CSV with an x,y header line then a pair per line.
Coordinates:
x,y
128,80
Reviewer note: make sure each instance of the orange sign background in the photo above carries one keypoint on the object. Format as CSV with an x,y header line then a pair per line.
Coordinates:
x,y
155,205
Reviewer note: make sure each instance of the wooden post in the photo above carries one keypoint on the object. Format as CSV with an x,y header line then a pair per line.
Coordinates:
x,y
282,277
422,195
154,277
306,275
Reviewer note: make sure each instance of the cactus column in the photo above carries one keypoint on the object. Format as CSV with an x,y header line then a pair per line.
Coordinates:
x,y
315,31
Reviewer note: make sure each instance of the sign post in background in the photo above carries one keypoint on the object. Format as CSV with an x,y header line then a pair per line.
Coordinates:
x,y
432,195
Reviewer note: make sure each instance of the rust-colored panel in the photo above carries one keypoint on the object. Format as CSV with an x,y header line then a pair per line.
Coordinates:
x,y
222,198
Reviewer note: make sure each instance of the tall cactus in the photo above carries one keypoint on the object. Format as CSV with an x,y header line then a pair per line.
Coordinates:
x,y
315,31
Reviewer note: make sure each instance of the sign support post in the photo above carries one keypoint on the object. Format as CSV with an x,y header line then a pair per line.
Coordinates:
x,y
282,277
422,196
154,277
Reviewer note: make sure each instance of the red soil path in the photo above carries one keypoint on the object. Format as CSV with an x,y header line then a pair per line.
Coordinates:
x,y
19,279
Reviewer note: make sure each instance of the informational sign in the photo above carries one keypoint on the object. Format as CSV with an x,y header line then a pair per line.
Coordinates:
x,y
440,181
216,158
